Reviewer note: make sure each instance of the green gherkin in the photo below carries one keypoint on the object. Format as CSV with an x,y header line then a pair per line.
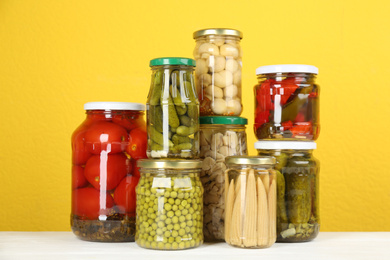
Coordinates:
x,y
281,161
282,219
291,109
298,191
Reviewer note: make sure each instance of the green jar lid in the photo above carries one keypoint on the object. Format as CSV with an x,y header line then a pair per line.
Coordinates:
x,y
172,61
223,120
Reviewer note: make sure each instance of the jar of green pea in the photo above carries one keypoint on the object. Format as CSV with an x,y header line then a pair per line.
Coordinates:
x,y
169,214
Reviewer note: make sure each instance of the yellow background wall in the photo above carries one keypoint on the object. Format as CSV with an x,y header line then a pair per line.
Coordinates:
x,y
57,55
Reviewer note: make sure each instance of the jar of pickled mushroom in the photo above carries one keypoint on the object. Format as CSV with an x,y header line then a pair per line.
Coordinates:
x,y
173,110
220,136
169,204
218,71
287,102
298,218
105,149
250,203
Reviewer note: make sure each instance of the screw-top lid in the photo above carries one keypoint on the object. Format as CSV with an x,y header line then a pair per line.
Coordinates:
x,y
113,106
218,31
286,145
287,68
223,120
172,61
167,163
253,160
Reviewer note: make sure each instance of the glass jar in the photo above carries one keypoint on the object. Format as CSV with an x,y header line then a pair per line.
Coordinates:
x,y
172,110
287,103
218,71
298,218
104,173
250,208
220,137
169,204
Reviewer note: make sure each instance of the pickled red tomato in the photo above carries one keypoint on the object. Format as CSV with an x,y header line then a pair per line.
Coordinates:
x,y
80,153
78,178
104,172
138,140
127,121
106,136
86,203
124,195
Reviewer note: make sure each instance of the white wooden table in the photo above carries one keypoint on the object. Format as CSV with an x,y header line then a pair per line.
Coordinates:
x,y
64,245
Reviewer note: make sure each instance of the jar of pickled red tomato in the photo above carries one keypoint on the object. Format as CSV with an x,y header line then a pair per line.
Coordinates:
x,y
218,71
287,102
105,149
220,137
173,110
169,204
250,203
298,218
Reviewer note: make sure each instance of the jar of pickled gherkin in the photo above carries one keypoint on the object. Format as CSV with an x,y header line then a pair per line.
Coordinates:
x,y
169,204
172,110
105,148
287,102
250,203
218,71
220,136
298,217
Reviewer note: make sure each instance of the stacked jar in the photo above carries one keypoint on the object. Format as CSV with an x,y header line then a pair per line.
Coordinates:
x,y
220,137
170,194
105,150
286,125
218,71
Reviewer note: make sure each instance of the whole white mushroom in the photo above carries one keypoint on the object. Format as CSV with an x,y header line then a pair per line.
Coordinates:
x,y
230,91
237,78
208,48
219,106
214,91
201,67
234,106
216,63
232,65
223,78
204,79
228,50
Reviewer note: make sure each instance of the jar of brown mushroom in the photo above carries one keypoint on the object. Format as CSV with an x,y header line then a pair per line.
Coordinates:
x,y
250,208
220,136
218,71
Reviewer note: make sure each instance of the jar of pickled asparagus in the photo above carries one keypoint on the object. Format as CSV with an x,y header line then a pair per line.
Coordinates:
x,y
287,102
218,71
169,204
250,203
172,110
220,136
298,218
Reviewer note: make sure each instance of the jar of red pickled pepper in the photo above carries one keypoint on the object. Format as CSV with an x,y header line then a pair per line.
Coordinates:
x,y
105,149
287,102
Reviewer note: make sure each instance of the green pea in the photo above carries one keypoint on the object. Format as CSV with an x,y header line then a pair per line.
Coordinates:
x,y
182,245
175,233
175,245
168,206
170,227
175,219
167,233
170,214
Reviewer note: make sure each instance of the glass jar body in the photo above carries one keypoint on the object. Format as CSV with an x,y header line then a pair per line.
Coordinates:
x,y
287,106
218,74
169,209
298,218
173,113
216,143
103,178
250,211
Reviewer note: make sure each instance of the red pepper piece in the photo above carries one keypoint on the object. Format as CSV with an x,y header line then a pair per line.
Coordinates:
x,y
304,128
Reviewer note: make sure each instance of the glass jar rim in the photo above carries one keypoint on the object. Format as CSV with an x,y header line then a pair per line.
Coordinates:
x,y
218,31
172,61
250,160
169,164
286,68
223,120
114,106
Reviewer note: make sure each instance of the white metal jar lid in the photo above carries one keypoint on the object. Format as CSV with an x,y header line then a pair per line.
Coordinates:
x,y
285,145
114,106
287,68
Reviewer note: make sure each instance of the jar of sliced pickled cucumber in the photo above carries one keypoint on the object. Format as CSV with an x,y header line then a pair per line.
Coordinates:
x,y
220,136
169,204
287,102
172,110
250,203
218,71
298,217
